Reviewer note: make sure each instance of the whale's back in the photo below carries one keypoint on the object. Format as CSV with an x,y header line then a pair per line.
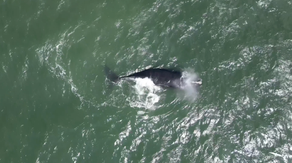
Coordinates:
x,y
162,77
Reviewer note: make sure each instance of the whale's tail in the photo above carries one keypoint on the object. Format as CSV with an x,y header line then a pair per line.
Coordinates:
x,y
110,75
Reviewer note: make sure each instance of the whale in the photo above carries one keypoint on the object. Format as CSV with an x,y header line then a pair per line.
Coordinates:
x,y
162,77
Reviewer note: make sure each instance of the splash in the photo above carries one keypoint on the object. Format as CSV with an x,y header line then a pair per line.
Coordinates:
x,y
146,94
190,91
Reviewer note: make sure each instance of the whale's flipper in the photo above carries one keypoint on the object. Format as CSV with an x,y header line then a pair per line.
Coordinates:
x,y
110,75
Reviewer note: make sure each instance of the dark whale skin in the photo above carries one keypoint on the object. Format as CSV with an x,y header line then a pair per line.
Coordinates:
x,y
162,77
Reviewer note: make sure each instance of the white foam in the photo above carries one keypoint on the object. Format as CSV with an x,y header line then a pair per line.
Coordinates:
x,y
146,94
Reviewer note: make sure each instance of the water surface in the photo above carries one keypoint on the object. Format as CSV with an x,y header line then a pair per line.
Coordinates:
x,y
56,105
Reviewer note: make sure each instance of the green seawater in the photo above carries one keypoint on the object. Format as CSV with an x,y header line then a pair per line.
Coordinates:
x,y
56,104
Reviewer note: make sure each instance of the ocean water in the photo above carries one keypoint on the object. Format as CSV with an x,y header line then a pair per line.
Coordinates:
x,y
56,104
